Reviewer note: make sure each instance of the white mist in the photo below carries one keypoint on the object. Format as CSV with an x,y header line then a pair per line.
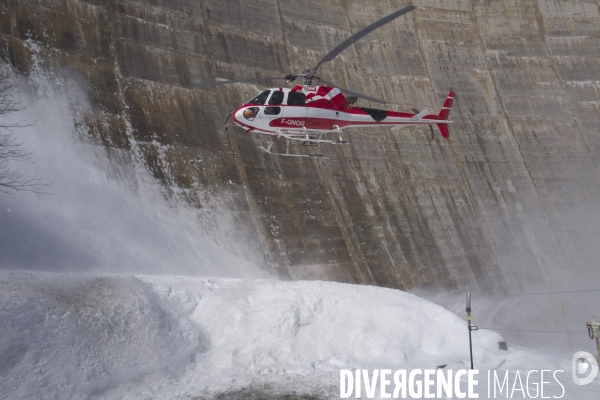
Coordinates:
x,y
106,213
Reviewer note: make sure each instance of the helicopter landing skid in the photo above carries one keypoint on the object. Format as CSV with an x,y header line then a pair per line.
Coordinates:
x,y
287,153
313,140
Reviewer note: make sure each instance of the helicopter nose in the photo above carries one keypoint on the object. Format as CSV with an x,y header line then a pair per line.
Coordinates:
x,y
239,119
239,114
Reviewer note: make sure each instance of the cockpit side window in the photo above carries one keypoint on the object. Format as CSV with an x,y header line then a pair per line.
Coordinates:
x,y
261,98
296,98
276,97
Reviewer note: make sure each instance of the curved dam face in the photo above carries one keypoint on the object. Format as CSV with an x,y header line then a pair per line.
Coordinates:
x,y
513,202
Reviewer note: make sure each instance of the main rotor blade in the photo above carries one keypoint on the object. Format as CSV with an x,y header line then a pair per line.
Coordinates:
x,y
216,83
350,92
363,32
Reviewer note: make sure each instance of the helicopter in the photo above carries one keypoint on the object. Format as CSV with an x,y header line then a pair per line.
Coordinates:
x,y
306,113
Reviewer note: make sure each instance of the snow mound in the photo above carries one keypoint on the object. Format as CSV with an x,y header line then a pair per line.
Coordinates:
x,y
277,327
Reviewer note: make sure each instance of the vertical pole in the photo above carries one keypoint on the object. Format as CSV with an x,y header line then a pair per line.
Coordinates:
x,y
596,329
469,325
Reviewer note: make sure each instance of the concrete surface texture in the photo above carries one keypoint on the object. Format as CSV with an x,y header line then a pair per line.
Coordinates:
x,y
514,199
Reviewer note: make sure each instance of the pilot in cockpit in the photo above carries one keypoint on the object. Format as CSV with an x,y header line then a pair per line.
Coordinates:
x,y
276,97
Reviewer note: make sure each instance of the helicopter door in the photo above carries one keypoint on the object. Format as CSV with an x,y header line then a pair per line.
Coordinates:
x,y
273,109
294,113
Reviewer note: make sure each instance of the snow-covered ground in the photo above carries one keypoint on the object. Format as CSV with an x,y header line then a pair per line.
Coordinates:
x,y
151,337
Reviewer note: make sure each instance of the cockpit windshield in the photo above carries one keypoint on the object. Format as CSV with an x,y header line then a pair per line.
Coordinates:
x,y
261,98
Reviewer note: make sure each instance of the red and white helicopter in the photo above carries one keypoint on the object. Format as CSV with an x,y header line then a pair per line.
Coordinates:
x,y
307,113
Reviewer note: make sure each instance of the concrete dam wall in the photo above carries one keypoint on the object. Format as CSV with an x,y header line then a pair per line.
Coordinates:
x,y
511,202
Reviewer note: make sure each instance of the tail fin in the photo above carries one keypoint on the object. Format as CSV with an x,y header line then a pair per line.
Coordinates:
x,y
445,131
444,114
